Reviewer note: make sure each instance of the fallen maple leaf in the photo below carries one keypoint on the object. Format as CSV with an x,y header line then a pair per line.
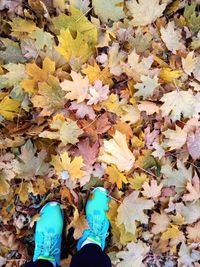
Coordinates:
x,y
67,131
9,108
49,97
193,144
38,75
76,50
175,139
134,256
116,151
79,223
194,232
149,107
82,110
194,189
63,162
177,178
160,221
147,87
137,66
77,22
76,89
128,216
97,93
113,11
145,12
171,37
95,73
114,176
189,63
153,190
178,103
28,166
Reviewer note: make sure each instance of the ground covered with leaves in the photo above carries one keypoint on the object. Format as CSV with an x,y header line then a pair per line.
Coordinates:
x,y
102,93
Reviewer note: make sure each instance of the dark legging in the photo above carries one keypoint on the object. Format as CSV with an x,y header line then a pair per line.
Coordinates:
x,y
90,255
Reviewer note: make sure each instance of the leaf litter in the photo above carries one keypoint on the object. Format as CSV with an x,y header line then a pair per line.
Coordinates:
x,y
102,93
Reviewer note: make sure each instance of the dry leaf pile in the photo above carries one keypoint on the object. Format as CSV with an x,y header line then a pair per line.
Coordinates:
x,y
102,93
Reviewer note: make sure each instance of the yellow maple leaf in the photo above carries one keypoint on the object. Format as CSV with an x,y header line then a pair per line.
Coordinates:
x,y
23,190
63,162
79,223
4,186
21,26
171,232
95,73
115,176
37,74
9,108
75,50
67,131
137,180
116,151
77,22
168,75
50,97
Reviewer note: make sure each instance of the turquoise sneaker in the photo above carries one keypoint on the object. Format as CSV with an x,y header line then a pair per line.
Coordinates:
x,y
96,208
48,233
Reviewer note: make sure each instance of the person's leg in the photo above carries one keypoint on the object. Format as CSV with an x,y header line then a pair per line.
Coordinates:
x,y
92,243
38,263
90,255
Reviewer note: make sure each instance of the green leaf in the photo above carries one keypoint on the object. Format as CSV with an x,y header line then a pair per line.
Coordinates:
x,y
42,38
16,73
192,17
77,22
10,52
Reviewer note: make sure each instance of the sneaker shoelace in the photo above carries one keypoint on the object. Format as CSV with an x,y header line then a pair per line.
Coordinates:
x,y
97,227
47,247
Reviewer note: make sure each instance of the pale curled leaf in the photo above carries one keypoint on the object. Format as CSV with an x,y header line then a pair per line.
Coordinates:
x,y
134,256
171,37
194,189
77,89
116,151
145,12
174,139
177,178
147,87
132,210
178,103
67,131
193,144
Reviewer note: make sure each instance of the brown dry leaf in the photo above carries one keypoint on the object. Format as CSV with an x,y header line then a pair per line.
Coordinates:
x,y
23,190
9,240
79,223
28,166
